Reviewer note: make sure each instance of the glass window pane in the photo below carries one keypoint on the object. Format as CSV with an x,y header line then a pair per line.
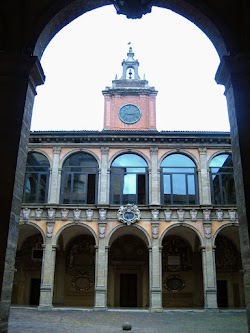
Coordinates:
x,y
177,160
79,189
42,188
191,190
132,187
91,189
222,160
129,160
222,180
228,189
166,189
129,189
179,189
67,188
117,185
141,190
30,188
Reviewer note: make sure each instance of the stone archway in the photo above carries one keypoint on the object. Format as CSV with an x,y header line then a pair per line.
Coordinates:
x,y
28,266
74,283
229,275
128,271
182,277
35,31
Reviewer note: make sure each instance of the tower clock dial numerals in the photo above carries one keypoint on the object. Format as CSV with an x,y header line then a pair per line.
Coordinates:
x,y
129,114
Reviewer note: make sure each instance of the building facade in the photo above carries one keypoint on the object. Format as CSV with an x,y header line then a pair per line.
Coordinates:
x,y
129,216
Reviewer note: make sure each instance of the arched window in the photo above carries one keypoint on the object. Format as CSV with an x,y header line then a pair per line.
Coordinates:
x,y
79,179
36,182
178,181
129,180
222,180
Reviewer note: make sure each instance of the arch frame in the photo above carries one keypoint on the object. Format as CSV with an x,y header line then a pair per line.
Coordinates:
x,y
55,237
109,241
185,225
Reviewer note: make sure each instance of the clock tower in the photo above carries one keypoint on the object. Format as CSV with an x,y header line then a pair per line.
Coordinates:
x,y
130,103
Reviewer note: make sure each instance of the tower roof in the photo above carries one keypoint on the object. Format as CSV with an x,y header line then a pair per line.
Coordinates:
x,y
130,79
130,66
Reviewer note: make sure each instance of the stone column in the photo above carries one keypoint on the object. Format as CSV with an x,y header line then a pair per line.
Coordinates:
x,y
48,270
209,271
19,76
103,193
204,182
101,276
234,74
101,268
155,266
54,188
154,189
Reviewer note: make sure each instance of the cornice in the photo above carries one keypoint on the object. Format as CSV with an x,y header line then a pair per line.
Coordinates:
x,y
131,137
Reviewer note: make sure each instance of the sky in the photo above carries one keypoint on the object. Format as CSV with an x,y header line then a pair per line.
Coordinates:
x,y
175,56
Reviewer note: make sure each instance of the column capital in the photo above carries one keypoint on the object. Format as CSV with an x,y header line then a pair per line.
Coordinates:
x,y
154,151
202,151
234,68
16,66
57,150
105,150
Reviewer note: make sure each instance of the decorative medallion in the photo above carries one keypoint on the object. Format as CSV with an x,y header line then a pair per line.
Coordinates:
x,y
82,281
129,214
174,283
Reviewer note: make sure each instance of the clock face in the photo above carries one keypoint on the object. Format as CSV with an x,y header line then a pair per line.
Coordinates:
x,y
129,114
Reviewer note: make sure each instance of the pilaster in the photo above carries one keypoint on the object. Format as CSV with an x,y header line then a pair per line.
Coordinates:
x,y
155,266
103,193
209,276
19,76
234,74
48,270
204,183
55,175
154,178
101,276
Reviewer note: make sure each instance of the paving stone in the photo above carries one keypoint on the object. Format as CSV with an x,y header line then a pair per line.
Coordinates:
x,y
31,320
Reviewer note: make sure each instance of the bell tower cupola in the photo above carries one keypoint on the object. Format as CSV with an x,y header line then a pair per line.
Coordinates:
x,y
129,104
130,67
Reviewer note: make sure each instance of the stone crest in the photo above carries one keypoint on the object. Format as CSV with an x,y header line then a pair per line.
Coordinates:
x,y
129,214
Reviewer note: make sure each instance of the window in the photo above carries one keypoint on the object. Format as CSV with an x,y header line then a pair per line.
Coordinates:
x,y
222,180
36,179
178,181
79,179
129,179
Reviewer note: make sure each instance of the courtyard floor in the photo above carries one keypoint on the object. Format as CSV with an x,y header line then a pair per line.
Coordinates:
x,y
31,320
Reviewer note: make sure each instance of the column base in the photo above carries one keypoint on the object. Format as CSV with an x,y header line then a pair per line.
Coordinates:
x,y
100,308
45,307
155,309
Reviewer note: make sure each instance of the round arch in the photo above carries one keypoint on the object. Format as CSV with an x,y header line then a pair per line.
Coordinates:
x,y
122,230
27,233
217,153
40,151
184,225
225,227
73,225
181,152
129,151
53,21
75,151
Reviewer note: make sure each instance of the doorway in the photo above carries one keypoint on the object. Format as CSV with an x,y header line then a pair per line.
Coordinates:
x,y
128,290
222,295
35,291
